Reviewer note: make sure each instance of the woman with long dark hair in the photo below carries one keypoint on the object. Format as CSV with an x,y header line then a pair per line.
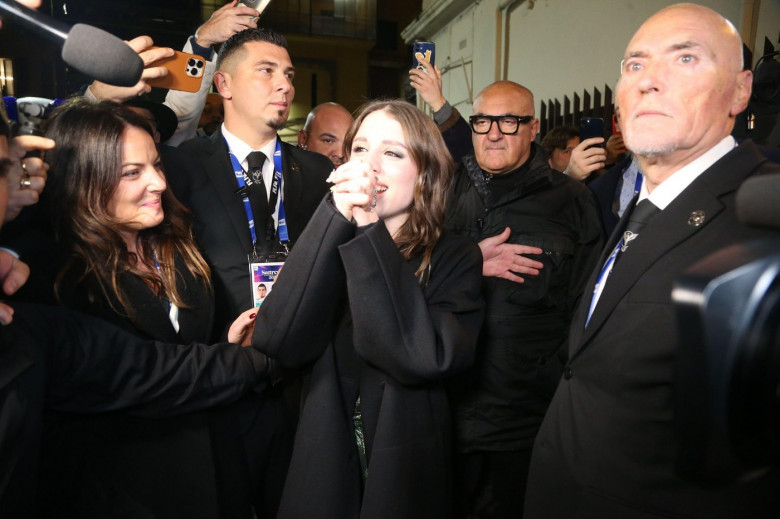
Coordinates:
x,y
125,232
129,257
384,306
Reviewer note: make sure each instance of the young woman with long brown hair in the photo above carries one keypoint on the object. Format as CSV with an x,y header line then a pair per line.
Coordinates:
x,y
384,306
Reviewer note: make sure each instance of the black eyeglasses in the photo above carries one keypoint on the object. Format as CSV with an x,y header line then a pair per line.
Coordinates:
x,y
507,124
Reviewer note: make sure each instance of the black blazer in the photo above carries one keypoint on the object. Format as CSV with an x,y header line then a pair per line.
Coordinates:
x,y
201,176
392,344
607,447
115,464
149,317
55,359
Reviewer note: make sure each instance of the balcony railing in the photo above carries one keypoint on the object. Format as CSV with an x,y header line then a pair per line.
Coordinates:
x,y
318,25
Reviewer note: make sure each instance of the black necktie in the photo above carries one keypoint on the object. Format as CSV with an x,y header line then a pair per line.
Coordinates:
x,y
256,191
641,214
255,161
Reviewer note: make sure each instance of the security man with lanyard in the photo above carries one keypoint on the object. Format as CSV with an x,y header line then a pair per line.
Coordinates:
x,y
251,196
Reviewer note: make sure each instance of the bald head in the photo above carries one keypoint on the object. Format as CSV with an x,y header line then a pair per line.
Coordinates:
x,y
681,87
508,90
497,152
729,43
324,131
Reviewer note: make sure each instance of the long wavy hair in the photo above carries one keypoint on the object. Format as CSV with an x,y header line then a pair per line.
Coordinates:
x,y
85,171
423,228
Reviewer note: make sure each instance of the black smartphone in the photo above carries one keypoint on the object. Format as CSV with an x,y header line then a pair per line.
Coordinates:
x,y
591,127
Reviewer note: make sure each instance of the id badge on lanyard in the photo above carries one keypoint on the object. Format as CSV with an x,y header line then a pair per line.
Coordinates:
x,y
263,270
265,266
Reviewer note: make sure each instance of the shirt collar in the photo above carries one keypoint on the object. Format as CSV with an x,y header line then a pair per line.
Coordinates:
x,y
241,149
665,193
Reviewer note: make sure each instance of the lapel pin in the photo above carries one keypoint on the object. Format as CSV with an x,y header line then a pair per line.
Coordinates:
x,y
697,218
295,167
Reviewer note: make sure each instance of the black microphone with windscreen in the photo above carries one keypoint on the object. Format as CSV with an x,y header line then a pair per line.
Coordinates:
x,y
88,49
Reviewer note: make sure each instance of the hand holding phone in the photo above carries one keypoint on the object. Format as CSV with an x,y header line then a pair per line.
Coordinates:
x,y
185,72
258,5
591,127
423,51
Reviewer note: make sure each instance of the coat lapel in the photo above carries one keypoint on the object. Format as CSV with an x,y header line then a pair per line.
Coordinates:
x,y
219,171
150,315
580,315
293,182
687,215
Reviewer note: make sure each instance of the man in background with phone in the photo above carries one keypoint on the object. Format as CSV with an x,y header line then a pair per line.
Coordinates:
x,y
558,145
592,156
589,157
540,236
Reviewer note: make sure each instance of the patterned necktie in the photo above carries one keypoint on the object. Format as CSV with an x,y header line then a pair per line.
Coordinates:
x,y
641,214
258,196
255,161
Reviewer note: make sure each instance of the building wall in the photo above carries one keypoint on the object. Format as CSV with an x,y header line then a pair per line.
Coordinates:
x,y
768,25
556,47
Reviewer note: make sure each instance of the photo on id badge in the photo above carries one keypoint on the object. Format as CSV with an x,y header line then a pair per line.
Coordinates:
x,y
263,279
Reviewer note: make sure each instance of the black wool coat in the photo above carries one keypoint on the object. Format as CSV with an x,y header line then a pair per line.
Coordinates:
x,y
348,304
116,464
55,359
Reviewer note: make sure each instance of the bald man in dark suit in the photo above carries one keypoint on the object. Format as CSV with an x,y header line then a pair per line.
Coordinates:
x,y
607,447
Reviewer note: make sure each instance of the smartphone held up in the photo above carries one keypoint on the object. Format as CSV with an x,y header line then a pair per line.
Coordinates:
x,y
423,51
258,5
185,72
592,127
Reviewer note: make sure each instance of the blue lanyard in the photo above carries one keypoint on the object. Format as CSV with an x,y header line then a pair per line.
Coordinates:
x,y
276,187
284,235
637,183
607,268
599,287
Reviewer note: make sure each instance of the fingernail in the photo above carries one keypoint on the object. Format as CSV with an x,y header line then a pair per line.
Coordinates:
x,y
252,316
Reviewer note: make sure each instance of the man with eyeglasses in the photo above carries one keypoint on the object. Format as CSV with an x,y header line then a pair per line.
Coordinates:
x,y
540,236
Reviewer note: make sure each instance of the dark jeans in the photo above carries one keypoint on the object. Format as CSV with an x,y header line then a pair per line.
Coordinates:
x,y
491,485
